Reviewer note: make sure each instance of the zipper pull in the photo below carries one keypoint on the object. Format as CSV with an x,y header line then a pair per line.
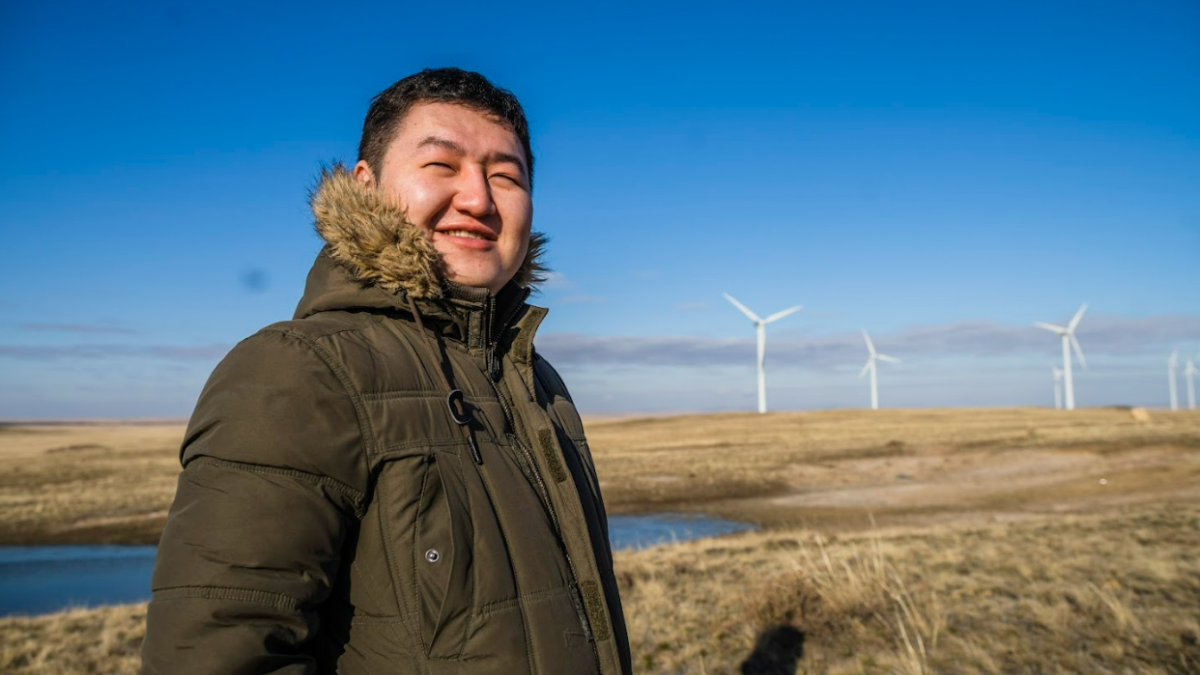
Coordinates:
x,y
475,455
462,417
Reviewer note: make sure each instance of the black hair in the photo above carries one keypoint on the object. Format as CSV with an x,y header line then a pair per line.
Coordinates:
x,y
440,85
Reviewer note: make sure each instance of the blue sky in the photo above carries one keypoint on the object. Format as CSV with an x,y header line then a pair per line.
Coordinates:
x,y
940,174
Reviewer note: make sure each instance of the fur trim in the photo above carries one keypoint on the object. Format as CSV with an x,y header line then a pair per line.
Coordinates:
x,y
370,237
533,270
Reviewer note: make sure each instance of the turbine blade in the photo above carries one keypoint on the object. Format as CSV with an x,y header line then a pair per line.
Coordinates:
x,y
752,315
1078,351
780,315
1075,319
866,368
1050,327
1173,362
870,345
889,359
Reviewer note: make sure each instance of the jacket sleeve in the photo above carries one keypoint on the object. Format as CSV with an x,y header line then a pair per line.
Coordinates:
x,y
273,478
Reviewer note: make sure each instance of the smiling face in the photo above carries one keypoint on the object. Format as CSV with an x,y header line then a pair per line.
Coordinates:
x,y
462,177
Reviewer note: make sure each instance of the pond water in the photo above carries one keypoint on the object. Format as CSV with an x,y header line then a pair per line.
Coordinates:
x,y
666,528
42,579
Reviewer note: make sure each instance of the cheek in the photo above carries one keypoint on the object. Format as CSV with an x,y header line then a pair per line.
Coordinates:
x,y
517,211
420,200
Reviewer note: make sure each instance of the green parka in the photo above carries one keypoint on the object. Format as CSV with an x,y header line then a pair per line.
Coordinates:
x,y
332,516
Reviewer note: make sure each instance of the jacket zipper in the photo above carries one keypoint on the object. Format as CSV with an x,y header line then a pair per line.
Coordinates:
x,y
493,374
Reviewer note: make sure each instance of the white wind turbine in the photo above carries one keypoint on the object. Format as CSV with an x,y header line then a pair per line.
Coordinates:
x,y
1058,377
1068,341
1172,364
875,356
760,327
1188,373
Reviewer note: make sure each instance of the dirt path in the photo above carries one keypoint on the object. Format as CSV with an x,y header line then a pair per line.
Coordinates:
x,y
840,470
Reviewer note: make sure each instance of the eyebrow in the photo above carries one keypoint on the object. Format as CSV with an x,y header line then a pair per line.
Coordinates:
x,y
457,149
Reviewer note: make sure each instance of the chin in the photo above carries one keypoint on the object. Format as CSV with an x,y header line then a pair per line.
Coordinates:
x,y
473,280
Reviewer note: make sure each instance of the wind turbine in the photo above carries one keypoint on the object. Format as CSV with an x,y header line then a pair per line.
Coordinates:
x,y
1058,376
875,356
1188,373
1068,341
760,327
1172,364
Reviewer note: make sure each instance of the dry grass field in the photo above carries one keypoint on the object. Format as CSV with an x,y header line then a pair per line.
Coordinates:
x,y
87,483
899,541
828,469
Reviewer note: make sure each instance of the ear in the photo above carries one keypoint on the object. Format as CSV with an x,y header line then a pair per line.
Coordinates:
x,y
363,174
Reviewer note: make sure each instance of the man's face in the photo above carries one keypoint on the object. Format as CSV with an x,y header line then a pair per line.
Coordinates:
x,y
462,177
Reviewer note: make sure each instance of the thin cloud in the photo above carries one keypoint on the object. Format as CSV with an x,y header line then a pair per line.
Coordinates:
x,y
76,328
558,282
578,348
554,281
108,351
210,352
1110,336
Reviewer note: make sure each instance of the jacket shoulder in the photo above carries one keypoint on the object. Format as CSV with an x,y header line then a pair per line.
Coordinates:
x,y
325,324
279,399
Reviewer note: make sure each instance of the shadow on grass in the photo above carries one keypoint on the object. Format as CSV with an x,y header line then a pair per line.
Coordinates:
x,y
777,652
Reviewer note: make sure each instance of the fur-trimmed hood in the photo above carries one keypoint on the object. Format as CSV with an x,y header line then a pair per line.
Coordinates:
x,y
370,237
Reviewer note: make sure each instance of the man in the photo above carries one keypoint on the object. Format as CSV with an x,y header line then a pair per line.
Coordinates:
x,y
395,481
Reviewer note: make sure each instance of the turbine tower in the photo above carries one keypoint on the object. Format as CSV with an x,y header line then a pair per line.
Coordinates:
x,y
875,356
1188,373
1058,376
1172,364
760,328
1068,341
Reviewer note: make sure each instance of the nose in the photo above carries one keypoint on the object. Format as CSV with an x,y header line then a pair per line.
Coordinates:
x,y
473,195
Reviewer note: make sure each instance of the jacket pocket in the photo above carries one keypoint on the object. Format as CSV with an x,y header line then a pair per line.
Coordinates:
x,y
443,556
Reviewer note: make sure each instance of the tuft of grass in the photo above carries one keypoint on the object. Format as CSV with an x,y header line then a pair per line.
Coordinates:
x,y
75,642
1113,592
849,599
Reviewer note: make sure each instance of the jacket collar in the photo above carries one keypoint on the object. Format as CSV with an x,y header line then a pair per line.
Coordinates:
x,y
375,258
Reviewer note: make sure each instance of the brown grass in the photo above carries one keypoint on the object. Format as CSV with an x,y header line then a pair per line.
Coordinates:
x,y
105,640
113,483
87,483
1113,593
995,548
826,469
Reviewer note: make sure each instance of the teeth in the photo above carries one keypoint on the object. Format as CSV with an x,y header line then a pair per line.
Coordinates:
x,y
463,233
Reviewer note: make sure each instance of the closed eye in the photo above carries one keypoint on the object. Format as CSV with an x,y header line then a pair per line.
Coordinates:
x,y
515,181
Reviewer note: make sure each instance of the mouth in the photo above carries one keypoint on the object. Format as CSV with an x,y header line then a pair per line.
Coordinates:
x,y
465,234
468,231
